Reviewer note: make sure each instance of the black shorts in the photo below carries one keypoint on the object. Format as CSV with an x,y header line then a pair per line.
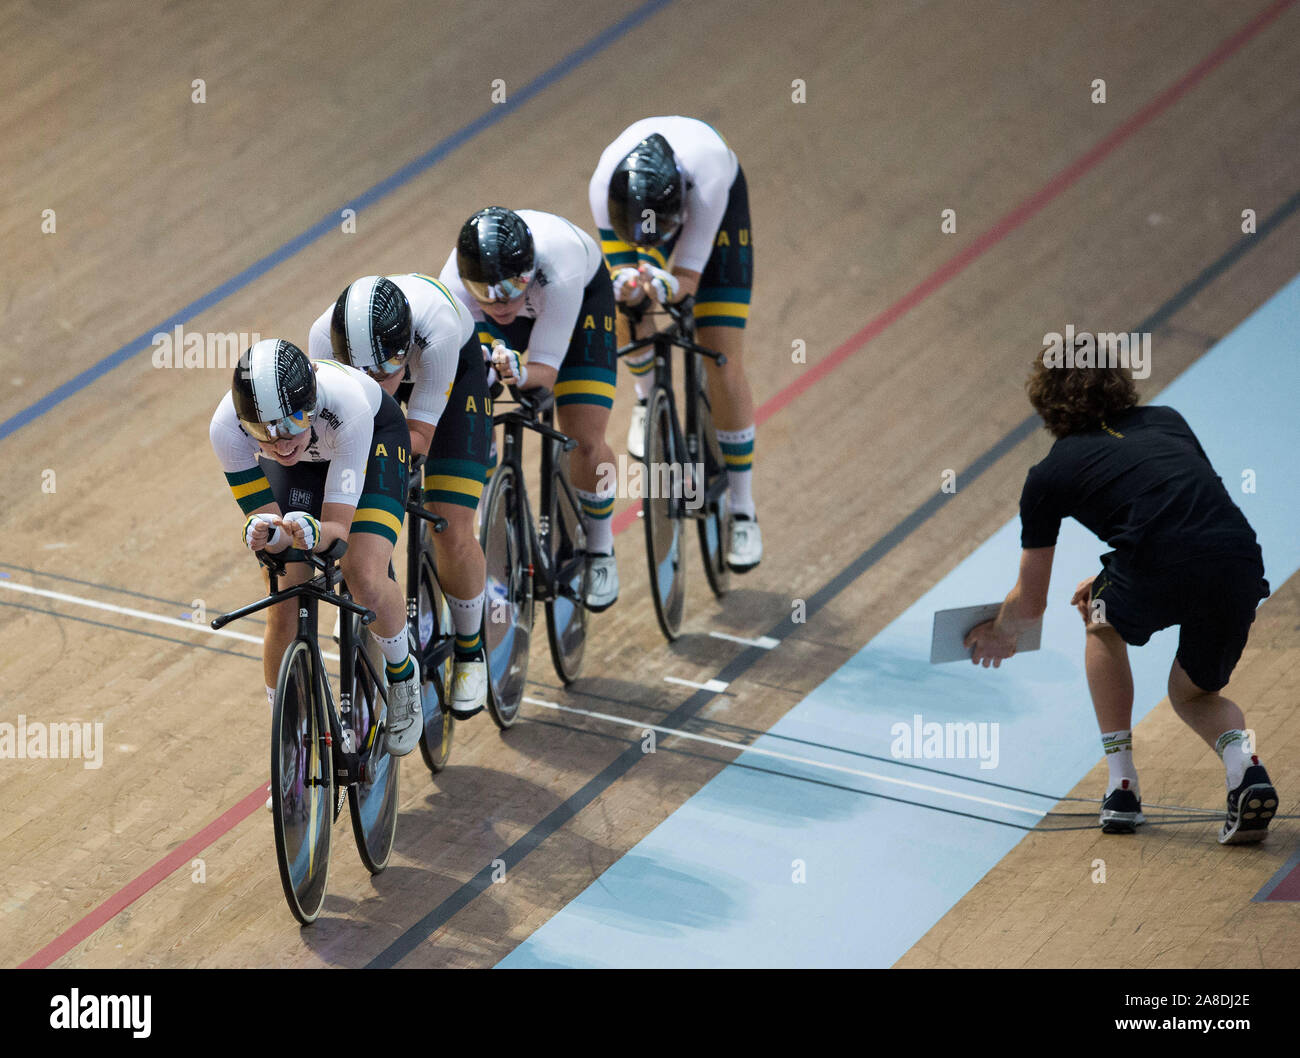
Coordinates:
x,y
586,374
458,459
382,506
1212,600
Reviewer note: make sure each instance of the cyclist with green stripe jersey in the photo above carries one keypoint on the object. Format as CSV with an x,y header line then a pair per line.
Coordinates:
x,y
544,308
315,452
670,192
418,342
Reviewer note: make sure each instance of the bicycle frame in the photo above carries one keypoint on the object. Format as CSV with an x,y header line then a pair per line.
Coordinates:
x,y
681,335
537,415
349,763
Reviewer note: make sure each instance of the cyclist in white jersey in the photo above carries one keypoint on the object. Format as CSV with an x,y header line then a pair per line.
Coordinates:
x,y
540,294
669,190
417,340
315,452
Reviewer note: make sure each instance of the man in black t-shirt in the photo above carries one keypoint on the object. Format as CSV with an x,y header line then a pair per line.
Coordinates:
x,y
1183,554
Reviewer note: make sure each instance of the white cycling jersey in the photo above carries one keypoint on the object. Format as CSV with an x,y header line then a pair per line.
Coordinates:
x,y
440,326
347,402
707,163
567,259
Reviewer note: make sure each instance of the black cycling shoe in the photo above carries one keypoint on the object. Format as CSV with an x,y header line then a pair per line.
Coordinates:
x,y
1121,812
1250,807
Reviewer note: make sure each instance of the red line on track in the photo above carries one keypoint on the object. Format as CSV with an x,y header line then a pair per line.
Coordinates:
x,y
133,890
951,268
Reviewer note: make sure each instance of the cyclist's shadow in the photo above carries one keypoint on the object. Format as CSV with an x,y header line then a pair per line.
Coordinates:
x,y
444,840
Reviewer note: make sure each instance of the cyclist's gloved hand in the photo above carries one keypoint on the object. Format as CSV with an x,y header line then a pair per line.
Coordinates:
x,y
660,285
627,286
509,367
261,532
305,529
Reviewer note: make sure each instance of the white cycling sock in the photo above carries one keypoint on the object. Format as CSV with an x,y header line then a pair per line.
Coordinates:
x,y
738,452
1231,747
1118,746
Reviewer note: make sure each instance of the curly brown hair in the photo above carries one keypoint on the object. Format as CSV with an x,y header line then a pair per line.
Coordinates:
x,y
1075,399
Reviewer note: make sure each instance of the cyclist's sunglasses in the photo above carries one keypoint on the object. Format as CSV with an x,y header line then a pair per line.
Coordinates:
x,y
270,432
389,367
505,290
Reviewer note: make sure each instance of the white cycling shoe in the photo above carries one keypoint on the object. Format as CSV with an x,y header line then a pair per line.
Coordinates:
x,y
746,544
636,432
405,713
469,688
602,582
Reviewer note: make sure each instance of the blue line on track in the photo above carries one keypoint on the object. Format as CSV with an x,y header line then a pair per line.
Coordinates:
x,y
330,221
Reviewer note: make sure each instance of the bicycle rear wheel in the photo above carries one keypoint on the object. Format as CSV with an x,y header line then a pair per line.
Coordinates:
x,y
508,608
665,543
372,802
715,526
302,783
433,623
566,617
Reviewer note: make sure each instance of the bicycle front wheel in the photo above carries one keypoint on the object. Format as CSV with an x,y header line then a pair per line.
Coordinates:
x,y
508,607
433,623
665,543
302,783
566,612
372,802
715,525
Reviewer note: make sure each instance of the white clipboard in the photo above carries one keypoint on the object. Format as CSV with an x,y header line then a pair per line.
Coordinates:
x,y
952,626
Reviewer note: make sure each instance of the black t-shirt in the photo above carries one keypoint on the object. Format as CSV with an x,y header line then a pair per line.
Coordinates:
x,y
1144,485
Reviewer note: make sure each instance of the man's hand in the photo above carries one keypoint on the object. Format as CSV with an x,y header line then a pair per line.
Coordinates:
x,y
304,528
1082,599
988,646
262,530
660,285
627,286
508,365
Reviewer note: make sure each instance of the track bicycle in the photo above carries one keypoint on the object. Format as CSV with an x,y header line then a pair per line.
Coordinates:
x,y
686,472
528,561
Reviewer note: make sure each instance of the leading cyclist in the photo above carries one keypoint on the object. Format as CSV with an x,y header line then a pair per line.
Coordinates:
x,y
316,452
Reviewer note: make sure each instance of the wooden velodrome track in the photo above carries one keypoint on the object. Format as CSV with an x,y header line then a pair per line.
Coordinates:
x,y
1066,210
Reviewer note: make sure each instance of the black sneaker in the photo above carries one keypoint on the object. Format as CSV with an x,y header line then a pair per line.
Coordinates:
x,y
1121,812
1250,806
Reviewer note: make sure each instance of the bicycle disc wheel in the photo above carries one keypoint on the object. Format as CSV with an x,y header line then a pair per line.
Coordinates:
x,y
566,619
372,802
508,608
715,526
302,783
665,543
433,622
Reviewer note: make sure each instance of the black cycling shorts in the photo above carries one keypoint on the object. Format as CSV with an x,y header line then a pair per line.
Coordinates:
x,y
1212,600
586,374
458,459
382,506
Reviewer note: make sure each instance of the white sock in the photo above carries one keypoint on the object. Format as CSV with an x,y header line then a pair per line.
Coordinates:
x,y
467,617
396,648
642,369
1231,748
1118,747
270,697
597,521
738,451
